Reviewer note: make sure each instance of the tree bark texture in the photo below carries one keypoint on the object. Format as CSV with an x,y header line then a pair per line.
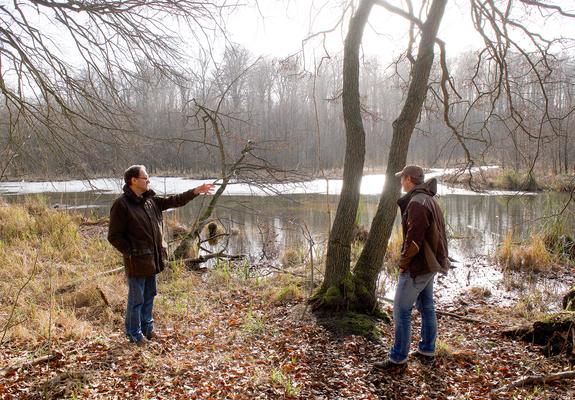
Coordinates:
x,y
339,247
371,258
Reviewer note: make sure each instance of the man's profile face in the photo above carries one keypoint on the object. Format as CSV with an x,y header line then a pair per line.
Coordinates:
x,y
406,184
142,182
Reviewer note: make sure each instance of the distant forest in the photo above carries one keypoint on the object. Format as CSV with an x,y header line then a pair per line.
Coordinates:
x,y
293,118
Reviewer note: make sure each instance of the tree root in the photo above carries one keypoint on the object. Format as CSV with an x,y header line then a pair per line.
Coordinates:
x,y
537,380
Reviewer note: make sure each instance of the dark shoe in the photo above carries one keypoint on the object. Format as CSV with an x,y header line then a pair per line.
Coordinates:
x,y
390,367
151,335
424,359
140,342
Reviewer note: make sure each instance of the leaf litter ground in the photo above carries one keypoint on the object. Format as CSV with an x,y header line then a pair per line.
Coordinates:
x,y
249,347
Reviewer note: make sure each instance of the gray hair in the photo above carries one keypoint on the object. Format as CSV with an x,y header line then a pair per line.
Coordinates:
x,y
132,172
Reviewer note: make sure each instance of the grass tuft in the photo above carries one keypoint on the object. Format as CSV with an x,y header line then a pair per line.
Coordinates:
x,y
532,255
443,349
292,257
254,325
286,382
288,293
479,292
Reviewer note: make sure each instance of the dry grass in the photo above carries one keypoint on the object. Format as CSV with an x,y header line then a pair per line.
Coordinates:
x,y
393,253
479,292
40,250
531,255
531,306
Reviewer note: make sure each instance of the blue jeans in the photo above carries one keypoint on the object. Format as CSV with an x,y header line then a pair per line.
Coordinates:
x,y
418,291
139,321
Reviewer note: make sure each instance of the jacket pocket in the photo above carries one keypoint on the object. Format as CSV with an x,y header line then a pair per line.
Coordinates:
x,y
140,263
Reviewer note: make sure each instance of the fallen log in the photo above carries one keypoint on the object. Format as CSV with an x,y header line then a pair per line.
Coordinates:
x,y
537,380
192,263
72,285
5,371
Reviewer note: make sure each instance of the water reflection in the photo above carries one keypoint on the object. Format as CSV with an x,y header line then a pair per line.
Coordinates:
x,y
265,226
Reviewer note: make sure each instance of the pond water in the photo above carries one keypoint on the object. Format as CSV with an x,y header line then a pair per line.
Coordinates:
x,y
264,226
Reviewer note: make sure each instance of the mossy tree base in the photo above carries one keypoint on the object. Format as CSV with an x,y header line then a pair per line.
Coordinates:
x,y
344,311
555,332
349,296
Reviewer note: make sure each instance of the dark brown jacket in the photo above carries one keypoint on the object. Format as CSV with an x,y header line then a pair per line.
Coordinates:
x,y
137,230
424,246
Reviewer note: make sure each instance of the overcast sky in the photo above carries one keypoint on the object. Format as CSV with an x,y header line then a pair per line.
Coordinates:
x,y
278,27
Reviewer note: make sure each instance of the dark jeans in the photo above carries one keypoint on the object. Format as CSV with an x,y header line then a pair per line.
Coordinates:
x,y
139,321
410,291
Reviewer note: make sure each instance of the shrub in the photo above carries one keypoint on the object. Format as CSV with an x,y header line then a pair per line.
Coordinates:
x,y
512,180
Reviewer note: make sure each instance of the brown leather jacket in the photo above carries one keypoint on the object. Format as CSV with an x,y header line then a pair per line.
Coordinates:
x,y
137,231
424,246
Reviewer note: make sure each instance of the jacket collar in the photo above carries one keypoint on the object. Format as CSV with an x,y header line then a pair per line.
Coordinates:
x,y
134,198
428,187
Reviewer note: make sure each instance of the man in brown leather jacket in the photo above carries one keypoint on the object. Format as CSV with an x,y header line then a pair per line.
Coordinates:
x,y
423,254
136,231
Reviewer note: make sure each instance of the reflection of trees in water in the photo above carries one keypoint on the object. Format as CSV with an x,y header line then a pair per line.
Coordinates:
x,y
479,221
482,221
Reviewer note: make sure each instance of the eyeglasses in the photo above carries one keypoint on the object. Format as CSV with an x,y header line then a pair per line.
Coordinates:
x,y
147,179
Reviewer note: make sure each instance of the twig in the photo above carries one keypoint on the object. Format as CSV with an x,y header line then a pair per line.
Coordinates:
x,y
537,380
462,317
449,314
281,271
72,286
5,371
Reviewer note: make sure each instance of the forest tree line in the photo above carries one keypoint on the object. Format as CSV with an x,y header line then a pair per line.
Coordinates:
x,y
293,117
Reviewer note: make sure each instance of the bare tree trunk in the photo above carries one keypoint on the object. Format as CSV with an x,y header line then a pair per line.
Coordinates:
x,y
371,258
333,293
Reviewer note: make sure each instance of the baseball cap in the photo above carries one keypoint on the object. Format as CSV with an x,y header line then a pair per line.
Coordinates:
x,y
414,171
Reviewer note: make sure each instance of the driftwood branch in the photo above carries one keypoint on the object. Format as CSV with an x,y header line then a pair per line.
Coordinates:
x,y
5,371
72,285
537,380
204,258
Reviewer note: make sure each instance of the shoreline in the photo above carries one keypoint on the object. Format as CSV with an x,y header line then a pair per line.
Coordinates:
x,y
505,179
484,178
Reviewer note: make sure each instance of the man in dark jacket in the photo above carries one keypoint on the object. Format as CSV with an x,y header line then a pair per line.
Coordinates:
x,y
423,254
136,230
